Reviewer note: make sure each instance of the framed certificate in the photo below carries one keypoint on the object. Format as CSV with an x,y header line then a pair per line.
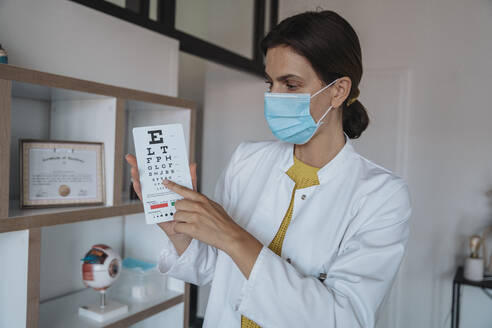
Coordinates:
x,y
59,173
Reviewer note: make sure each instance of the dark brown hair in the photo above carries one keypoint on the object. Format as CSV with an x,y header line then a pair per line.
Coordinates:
x,y
332,47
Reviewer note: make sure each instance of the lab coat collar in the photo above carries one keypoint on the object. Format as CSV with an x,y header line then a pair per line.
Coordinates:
x,y
325,173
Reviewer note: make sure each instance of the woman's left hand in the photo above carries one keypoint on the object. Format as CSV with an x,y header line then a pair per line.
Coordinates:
x,y
201,218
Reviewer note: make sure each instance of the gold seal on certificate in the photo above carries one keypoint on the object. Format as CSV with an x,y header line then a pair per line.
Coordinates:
x,y
64,190
58,173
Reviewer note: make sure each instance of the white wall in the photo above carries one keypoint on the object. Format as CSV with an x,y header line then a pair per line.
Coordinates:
x,y
233,112
60,36
445,47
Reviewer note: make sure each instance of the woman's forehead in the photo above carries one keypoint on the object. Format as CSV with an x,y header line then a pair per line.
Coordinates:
x,y
283,60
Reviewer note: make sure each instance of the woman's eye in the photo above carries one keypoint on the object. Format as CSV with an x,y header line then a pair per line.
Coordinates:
x,y
291,86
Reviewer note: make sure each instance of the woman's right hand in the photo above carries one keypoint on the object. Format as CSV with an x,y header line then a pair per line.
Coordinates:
x,y
168,226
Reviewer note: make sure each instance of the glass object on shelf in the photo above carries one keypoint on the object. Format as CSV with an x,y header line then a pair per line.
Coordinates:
x,y
3,56
227,24
140,281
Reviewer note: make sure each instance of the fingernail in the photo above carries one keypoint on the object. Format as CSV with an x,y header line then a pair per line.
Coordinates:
x,y
166,181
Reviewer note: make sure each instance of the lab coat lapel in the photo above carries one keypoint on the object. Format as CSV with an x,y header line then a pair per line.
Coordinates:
x,y
301,198
275,198
329,171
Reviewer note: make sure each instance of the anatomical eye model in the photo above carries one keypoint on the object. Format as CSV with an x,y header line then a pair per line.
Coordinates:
x,y
101,267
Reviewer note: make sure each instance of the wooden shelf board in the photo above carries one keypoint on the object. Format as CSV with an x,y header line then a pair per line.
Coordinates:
x,y
62,312
20,219
10,72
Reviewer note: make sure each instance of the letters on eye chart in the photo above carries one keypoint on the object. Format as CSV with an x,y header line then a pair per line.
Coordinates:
x,y
161,154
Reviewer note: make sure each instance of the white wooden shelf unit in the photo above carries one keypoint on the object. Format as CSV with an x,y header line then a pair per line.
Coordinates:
x,y
45,106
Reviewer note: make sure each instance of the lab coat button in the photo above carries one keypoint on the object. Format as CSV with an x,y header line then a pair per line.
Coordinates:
x,y
303,197
288,260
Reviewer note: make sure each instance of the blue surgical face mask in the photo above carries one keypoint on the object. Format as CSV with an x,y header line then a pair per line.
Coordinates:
x,y
289,118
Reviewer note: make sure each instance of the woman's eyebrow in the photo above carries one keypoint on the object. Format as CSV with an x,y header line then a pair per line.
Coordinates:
x,y
283,77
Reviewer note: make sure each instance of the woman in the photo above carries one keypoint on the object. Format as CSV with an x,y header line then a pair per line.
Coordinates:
x,y
303,232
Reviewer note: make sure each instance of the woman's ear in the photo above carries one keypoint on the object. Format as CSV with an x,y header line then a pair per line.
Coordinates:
x,y
341,90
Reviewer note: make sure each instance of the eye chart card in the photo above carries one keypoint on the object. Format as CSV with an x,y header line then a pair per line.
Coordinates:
x,y
161,154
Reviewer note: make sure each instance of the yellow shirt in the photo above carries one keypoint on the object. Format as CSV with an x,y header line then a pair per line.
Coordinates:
x,y
304,176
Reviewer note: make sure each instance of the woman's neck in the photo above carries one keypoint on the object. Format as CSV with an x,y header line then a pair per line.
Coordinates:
x,y
322,147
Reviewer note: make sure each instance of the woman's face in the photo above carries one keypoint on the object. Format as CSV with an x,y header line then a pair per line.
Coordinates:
x,y
287,71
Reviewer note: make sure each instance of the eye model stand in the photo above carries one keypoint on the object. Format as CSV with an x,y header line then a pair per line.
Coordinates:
x,y
105,310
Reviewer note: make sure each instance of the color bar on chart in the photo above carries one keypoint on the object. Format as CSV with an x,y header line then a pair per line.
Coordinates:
x,y
153,207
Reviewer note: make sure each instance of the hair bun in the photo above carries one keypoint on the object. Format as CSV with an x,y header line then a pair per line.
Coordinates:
x,y
355,119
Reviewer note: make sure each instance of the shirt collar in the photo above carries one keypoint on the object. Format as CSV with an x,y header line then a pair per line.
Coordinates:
x,y
326,172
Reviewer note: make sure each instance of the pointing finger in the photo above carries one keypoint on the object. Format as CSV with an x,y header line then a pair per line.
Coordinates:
x,y
184,191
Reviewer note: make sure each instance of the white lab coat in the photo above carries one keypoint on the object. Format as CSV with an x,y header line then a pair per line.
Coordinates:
x,y
353,226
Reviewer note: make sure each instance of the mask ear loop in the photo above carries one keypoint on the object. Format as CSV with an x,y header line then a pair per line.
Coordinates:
x,y
328,110
322,89
322,117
